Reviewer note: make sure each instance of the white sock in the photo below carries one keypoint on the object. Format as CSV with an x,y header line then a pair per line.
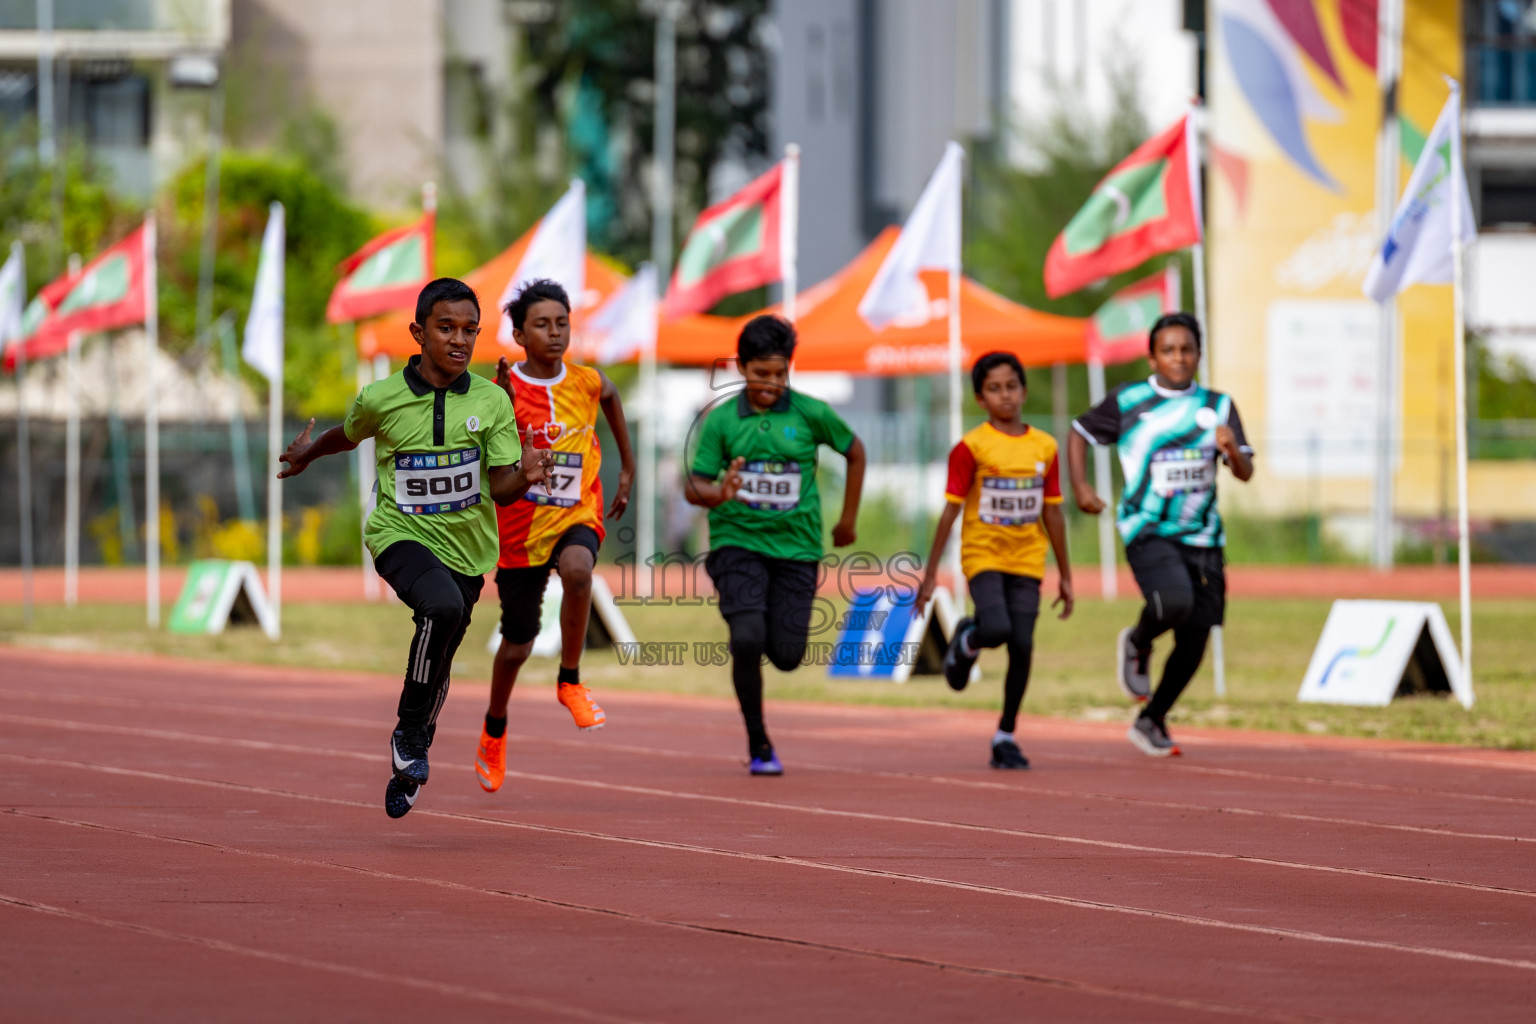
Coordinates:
x,y
1000,736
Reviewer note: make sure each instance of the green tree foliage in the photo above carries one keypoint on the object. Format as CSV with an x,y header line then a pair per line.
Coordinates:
x,y
57,210
323,229
589,99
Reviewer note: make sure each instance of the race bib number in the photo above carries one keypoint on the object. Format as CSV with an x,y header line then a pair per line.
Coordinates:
x,y
431,484
1178,471
771,486
564,483
1011,500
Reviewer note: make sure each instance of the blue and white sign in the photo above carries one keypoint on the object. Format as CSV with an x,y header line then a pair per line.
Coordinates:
x,y
1366,648
881,634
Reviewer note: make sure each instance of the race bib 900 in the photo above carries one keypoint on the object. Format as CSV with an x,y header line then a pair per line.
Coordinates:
x,y
437,482
1010,500
564,483
770,486
1183,471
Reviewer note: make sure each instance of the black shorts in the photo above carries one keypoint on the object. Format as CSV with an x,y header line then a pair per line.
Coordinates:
x,y
1007,605
522,589
1160,564
747,581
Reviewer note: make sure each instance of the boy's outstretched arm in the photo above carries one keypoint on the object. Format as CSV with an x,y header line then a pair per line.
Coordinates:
x,y
846,532
940,542
613,409
1077,468
1056,529
302,451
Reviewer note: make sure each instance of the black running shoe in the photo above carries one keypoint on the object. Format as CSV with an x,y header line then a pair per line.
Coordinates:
x,y
1008,755
1152,738
408,754
399,796
1133,667
957,664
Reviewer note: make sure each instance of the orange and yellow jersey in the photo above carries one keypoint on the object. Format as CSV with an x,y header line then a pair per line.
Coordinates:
x,y
561,414
1004,482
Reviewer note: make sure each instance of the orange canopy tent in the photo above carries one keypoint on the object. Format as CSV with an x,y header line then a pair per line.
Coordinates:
x,y
391,335
834,337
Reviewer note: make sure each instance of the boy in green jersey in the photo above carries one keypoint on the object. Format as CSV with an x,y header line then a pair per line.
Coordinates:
x,y
446,439
1172,433
755,470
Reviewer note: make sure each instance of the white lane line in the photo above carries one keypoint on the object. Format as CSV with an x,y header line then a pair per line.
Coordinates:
x,y
813,809
586,745
1258,1013
378,977
785,859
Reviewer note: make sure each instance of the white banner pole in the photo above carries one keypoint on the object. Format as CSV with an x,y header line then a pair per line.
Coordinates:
x,y
1109,582
1389,34
789,231
366,459
275,449
1458,336
23,451
955,421
72,462
151,428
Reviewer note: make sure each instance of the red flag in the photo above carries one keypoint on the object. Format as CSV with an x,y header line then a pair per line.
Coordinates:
x,y
1117,333
108,293
734,245
384,275
1149,204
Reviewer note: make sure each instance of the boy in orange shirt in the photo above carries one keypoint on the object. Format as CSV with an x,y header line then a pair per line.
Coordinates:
x,y
1003,479
556,404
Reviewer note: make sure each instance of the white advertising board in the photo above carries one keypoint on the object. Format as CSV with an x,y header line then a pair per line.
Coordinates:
x,y
1373,651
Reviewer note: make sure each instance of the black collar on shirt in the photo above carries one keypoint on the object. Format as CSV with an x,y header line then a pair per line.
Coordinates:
x,y
745,408
419,386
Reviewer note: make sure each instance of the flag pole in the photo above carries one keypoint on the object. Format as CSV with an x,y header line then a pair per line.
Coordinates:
x,y
23,453
275,449
663,141
789,231
72,461
151,428
1458,337
955,422
1109,583
366,469
1389,29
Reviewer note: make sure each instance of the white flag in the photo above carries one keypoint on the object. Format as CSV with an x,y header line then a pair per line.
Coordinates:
x,y
263,347
1417,249
626,325
557,251
930,240
13,296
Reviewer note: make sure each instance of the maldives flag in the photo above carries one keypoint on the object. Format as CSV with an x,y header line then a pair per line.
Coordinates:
x,y
734,245
1117,333
384,275
108,293
1149,204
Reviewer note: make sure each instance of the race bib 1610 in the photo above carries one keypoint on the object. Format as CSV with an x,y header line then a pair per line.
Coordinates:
x,y
1010,500
430,483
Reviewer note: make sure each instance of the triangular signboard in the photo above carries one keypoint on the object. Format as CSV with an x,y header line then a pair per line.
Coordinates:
x,y
1373,651
219,592
883,637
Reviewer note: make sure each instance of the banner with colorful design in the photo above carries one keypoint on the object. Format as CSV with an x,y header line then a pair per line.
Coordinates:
x,y
1295,111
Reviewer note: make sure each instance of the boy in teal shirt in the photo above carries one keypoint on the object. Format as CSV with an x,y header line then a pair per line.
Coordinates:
x,y
755,470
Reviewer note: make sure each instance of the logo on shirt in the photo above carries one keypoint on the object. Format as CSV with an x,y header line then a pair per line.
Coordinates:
x,y
1205,417
472,424
549,433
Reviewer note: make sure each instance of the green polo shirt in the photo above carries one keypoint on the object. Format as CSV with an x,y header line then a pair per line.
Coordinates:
x,y
434,448
778,511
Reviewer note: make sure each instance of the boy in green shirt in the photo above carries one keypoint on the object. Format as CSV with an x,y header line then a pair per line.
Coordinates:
x,y
433,538
765,530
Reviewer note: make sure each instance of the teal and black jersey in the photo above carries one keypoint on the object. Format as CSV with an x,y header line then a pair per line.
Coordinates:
x,y
1167,443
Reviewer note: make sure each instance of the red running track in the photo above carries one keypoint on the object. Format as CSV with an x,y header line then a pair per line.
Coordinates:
x,y
182,841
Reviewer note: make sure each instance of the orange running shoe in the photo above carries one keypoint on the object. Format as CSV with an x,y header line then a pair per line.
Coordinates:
x,y
491,760
578,701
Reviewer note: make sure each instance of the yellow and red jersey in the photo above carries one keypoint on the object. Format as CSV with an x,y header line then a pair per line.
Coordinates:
x,y
560,414
1004,482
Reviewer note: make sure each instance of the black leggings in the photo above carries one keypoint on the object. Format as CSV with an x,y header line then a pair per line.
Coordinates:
x,y
441,601
767,604
1186,592
1006,608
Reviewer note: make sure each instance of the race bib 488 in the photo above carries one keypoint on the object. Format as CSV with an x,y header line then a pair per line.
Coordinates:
x,y
430,483
770,486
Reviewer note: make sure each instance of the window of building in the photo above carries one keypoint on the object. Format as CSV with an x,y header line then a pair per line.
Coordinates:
x,y
1501,51
1508,197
